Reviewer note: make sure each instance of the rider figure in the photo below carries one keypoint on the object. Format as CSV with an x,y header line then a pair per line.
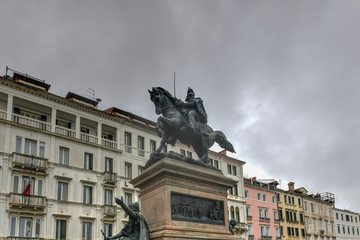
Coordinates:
x,y
196,111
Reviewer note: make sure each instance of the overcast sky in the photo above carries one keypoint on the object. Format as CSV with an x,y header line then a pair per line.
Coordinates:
x,y
279,78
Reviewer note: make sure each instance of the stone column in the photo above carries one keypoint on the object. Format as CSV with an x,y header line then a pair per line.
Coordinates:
x,y
118,138
53,119
77,126
9,109
99,131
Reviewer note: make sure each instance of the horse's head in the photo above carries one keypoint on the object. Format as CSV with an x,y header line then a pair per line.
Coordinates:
x,y
156,98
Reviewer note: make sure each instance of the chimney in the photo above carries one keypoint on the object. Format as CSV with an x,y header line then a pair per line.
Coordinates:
x,y
291,186
254,178
223,152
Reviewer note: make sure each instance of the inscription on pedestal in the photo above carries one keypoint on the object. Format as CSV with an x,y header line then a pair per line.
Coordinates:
x,y
196,209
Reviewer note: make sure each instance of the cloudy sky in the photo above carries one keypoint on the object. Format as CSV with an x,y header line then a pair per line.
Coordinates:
x,y
279,78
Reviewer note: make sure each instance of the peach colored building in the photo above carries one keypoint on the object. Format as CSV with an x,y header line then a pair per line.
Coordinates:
x,y
261,209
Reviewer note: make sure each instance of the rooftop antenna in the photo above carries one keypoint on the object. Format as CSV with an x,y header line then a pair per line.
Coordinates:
x,y
174,86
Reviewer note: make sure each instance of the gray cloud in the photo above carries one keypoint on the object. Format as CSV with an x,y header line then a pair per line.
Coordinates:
x,y
279,78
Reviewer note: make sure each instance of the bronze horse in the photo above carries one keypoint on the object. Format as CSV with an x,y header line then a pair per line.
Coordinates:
x,y
173,126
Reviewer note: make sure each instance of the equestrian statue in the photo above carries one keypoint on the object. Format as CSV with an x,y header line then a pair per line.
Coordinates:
x,y
186,122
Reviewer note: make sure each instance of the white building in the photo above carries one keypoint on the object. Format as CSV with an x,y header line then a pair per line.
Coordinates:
x,y
347,224
77,158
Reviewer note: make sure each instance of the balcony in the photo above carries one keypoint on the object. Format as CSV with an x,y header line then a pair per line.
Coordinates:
x,y
19,200
2,114
110,177
265,219
88,138
24,238
108,143
109,210
30,122
25,161
141,153
65,131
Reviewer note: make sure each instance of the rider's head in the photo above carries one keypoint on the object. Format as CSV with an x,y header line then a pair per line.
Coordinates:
x,y
190,94
134,206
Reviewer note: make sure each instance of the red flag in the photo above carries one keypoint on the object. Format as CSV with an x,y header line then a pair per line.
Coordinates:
x,y
27,190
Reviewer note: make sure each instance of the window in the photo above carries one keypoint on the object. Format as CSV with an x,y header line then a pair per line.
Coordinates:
x,y
318,207
128,198
338,227
232,212
189,154
330,212
88,161
64,156
229,168
128,148
332,227
86,231
60,229
289,197
351,218
250,233
293,200
164,149
301,217
108,165
140,170
42,149
128,170
266,212
273,199
264,197
326,226
230,191
342,217
25,227
299,201
182,152
259,196
236,192
312,208
152,146
276,216
108,229
285,199
320,225
261,213
108,197
87,195
248,212
12,226
296,232
39,187
280,214
216,164
25,182
314,223
234,170
62,191
347,218
262,231
141,146
324,210
18,144
277,233
278,197
237,215
85,130
303,232
16,184
281,231
267,231
30,147
246,194
305,206
337,216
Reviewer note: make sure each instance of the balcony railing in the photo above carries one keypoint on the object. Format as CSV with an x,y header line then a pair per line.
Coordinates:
x,y
2,114
264,219
88,138
24,160
65,131
31,201
249,217
24,238
31,122
108,143
109,210
128,149
110,177
141,153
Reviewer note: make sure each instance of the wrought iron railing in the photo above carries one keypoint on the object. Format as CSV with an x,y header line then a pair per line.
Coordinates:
x,y
110,177
31,122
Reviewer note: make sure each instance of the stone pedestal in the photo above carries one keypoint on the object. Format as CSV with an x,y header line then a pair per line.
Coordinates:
x,y
180,200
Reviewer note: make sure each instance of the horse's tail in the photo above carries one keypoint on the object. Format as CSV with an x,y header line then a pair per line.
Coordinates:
x,y
223,142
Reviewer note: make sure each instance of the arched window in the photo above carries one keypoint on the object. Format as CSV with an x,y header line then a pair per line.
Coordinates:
x,y
232,213
237,214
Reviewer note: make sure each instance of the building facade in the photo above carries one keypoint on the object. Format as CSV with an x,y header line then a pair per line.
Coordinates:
x,y
76,159
319,216
261,209
291,213
347,224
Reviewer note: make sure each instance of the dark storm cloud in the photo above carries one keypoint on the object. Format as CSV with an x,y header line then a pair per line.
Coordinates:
x,y
278,77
